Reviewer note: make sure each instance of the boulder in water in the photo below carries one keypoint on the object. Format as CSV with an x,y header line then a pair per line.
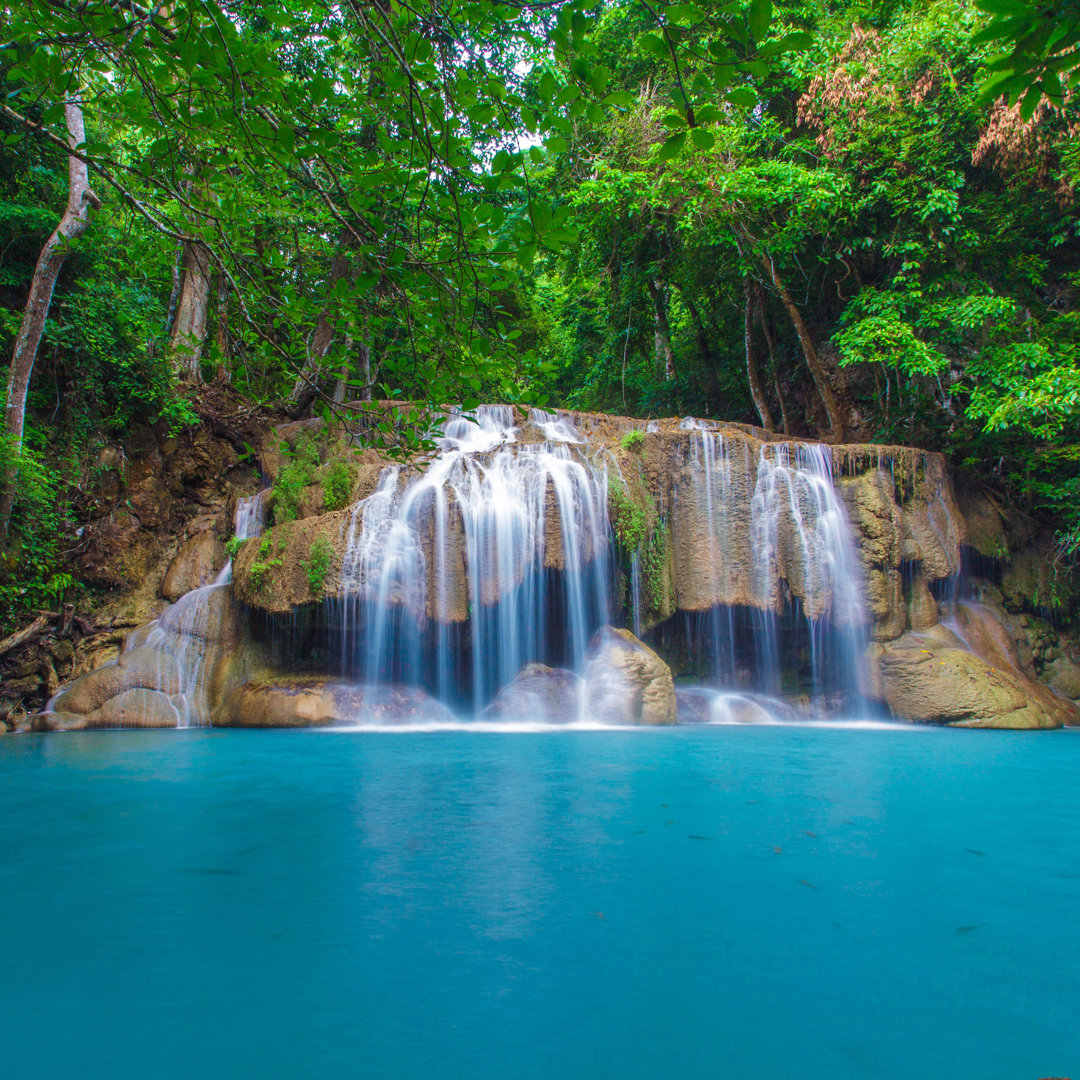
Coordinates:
x,y
143,668
300,701
538,693
702,705
929,679
626,682
135,708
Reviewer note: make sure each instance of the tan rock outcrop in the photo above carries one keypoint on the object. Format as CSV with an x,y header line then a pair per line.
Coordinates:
x,y
626,682
300,702
197,563
933,678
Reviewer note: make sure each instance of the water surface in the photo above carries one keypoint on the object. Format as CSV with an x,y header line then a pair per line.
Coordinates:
x,y
779,902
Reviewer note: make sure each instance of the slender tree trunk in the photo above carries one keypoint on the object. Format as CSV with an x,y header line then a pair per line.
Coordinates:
x,y
770,344
813,362
341,384
753,375
221,336
662,332
701,336
307,382
365,366
81,199
174,295
189,327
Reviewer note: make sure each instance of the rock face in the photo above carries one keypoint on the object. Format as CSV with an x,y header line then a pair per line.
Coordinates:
x,y
934,678
626,682
539,693
197,563
177,671
301,702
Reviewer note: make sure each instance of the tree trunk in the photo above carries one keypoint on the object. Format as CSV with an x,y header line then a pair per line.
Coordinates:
x,y
174,295
701,335
189,327
365,366
753,375
766,329
81,199
221,335
662,332
821,381
307,382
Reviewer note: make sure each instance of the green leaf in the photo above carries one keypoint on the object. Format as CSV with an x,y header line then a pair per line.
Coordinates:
x,y
672,146
481,114
1004,7
620,99
540,215
703,138
655,45
684,14
1030,102
760,17
743,96
556,145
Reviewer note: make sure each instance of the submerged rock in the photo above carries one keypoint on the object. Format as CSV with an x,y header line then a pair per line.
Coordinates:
x,y
301,701
626,682
702,705
538,693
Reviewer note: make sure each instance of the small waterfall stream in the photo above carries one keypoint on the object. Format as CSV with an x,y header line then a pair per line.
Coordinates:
x,y
187,631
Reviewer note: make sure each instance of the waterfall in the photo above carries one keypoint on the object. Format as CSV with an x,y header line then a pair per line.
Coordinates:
x,y
187,632
493,556
795,500
774,565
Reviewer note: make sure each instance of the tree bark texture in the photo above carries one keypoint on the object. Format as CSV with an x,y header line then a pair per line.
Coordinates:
x,y
813,362
307,382
221,335
753,375
770,344
192,308
81,199
662,332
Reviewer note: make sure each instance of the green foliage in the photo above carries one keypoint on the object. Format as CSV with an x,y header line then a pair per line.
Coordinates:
x,y
293,477
233,546
1040,57
317,565
633,440
266,561
337,483
655,558
41,526
629,519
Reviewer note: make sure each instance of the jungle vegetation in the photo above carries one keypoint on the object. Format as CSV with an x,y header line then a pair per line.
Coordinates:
x,y
852,220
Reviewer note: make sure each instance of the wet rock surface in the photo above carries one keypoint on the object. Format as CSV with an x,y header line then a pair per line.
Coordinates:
x,y
626,682
197,563
932,678
538,693
303,702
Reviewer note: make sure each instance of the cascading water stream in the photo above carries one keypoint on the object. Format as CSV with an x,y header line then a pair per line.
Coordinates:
x,y
793,549
518,538
794,498
184,633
